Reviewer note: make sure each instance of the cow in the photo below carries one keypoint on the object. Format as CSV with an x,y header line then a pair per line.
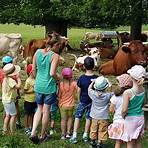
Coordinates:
x,y
107,53
126,57
91,35
79,61
10,42
30,49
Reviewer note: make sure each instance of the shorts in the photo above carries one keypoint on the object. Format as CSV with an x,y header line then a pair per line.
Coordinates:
x,y
30,107
98,130
81,109
66,112
10,108
47,99
53,111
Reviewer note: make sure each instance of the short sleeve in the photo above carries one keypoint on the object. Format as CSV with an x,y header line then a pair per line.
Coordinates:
x,y
26,87
113,99
12,83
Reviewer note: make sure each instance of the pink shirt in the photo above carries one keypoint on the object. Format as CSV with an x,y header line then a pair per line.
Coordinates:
x,y
67,94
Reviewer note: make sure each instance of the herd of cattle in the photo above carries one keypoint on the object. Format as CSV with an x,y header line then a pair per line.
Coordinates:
x,y
135,52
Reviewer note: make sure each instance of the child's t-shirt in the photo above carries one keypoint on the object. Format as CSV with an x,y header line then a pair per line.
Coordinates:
x,y
83,83
29,87
67,94
8,90
117,101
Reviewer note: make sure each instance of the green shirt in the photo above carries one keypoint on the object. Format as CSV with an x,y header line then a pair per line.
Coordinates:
x,y
135,105
44,83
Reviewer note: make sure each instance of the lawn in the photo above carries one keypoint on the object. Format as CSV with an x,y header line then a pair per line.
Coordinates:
x,y
20,140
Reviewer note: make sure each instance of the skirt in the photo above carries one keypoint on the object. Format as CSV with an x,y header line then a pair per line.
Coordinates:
x,y
115,130
133,128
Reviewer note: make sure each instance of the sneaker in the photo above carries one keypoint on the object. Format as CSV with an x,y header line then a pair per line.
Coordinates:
x,y
52,131
68,136
27,132
100,145
73,140
93,143
45,138
63,137
18,125
34,139
86,139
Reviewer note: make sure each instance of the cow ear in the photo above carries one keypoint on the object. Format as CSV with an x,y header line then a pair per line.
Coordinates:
x,y
126,49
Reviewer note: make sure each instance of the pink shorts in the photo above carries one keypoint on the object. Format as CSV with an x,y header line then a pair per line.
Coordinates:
x,y
115,130
133,128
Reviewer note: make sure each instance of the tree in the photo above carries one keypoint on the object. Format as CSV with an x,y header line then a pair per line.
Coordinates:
x,y
59,14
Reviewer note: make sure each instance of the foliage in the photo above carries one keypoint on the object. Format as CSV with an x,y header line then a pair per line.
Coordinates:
x,y
84,13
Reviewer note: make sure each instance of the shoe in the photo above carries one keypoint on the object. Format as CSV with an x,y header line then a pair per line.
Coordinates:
x,y
63,137
100,145
28,131
45,138
52,131
18,125
73,140
68,136
86,139
35,139
93,143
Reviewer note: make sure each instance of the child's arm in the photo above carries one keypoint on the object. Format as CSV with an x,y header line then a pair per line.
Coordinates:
x,y
91,92
126,99
78,93
112,108
18,84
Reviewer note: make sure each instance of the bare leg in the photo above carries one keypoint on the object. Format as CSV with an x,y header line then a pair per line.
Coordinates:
x,y
87,126
69,125
63,126
45,119
6,122
118,144
17,111
131,144
30,120
76,124
52,124
138,143
12,124
26,121
36,120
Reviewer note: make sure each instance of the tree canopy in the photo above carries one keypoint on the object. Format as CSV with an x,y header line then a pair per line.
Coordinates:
x,y
84,13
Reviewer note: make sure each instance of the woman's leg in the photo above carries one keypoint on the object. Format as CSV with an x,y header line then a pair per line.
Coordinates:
x,y
118,144
12,123
36,119
45,119
138,143
131,144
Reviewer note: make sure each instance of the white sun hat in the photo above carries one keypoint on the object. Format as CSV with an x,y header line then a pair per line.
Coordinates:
x,y
11,69
137,72
101,83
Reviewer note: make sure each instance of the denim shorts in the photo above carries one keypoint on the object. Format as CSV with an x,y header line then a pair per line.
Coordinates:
x,y
10,108
81,109
48,99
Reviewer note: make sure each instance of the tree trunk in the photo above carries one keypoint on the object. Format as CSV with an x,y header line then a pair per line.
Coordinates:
x,y
59,27
136,20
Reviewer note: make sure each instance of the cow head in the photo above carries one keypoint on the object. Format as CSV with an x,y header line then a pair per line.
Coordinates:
x,y
136,52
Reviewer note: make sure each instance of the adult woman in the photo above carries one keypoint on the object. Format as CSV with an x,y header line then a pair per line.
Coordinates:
x,y
45,63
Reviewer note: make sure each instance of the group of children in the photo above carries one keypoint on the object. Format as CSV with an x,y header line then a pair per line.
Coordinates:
x,y
94,100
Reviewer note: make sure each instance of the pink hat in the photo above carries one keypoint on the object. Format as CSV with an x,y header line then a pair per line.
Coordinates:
x,y
125,80
67,73
29,69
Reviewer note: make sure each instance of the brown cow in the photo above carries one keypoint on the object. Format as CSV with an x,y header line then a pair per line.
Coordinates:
x,y
126,57
106,53
30,49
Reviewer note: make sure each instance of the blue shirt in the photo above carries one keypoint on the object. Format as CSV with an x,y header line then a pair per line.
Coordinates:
x,y
83,83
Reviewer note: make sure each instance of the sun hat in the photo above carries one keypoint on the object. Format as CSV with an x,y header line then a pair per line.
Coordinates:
x,y
7,59
125,80
67,73
101,83
137,72
29,69
11,69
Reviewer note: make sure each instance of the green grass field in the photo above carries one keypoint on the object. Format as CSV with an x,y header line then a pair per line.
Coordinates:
x,y
20,140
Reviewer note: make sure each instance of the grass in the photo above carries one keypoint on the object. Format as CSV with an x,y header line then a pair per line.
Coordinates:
x,y
20,139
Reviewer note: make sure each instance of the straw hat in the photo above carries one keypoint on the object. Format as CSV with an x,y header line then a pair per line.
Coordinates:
x,y
11,69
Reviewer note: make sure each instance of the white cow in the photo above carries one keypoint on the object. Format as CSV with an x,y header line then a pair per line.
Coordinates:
x,y
79,61
10,42
91,35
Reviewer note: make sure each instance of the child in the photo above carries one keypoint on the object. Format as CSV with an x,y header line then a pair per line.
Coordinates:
x,y
99,111
6,60
29,103
85,101
133,100
67,91
9,86
115,130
